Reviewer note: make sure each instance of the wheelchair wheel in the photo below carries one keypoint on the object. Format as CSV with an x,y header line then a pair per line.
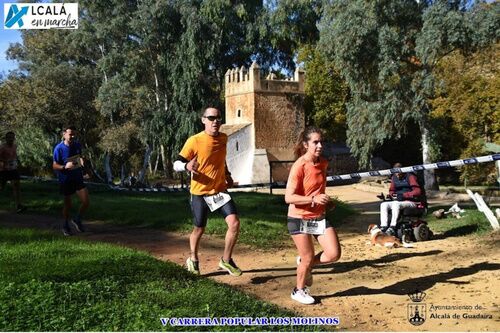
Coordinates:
x,y
399,233
406,238
421,232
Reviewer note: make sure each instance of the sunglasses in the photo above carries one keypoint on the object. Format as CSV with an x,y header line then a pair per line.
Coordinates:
x,y
213,118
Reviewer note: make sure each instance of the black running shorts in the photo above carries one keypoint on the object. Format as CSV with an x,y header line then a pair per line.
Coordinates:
x,y
70,187
200,210
6,175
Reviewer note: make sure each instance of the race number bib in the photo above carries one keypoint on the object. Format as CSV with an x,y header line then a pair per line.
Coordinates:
x,y
11,165
77,162
216,201
313,227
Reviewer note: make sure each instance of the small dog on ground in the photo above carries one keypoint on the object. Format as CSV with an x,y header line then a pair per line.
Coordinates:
x,y
379,238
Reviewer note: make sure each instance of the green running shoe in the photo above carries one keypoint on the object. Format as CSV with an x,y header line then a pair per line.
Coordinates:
x,y
230,267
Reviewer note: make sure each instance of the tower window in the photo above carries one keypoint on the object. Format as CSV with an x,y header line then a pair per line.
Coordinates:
x,y
239,113
237,146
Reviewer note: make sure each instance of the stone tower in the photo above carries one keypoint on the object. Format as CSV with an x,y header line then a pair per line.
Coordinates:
x,y
264,117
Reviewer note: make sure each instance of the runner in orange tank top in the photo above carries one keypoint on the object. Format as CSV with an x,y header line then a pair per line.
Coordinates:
x,y
305,194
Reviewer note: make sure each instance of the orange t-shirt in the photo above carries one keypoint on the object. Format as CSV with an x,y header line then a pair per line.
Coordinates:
x,y
210,152
308,179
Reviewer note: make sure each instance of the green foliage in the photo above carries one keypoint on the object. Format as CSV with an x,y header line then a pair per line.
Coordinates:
x,y
466,108
57,90
51,283
145,66
33,148
326,94
292,24
369,42
387,52
120,139
477,174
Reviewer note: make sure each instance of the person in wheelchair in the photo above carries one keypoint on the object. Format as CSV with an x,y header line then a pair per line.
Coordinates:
x,y
404,192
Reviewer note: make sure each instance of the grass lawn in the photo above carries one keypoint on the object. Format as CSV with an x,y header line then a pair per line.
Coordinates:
x,y
472,222
263,216
52,283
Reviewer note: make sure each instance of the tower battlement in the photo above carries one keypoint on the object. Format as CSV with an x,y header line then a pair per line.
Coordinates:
x,y
242,80
263,118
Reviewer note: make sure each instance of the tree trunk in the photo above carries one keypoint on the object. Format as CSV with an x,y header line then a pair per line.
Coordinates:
x,y
157,161
96,174
166,170
157,90
429,175
150,167
122,175
142,173
107,168
101,48
91,167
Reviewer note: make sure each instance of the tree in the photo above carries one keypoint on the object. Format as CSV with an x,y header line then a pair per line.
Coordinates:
x,y
34,148
141,71
292,24
326,94
54,87
387,52
466,103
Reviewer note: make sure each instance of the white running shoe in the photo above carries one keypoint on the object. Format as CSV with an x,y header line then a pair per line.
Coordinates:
x,y
193,266
302,296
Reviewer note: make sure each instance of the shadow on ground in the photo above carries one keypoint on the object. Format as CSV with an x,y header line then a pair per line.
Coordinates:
x,y
422,283
341,267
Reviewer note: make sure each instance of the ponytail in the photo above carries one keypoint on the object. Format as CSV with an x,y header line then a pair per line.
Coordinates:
x,y
299,148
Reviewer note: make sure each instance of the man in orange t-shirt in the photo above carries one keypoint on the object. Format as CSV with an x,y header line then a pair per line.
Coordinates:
x,y
204,156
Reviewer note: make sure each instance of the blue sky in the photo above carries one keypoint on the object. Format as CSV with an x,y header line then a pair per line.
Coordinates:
x,y
7,37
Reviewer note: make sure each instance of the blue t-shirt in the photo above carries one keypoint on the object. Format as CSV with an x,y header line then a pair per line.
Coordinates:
x,y
61,155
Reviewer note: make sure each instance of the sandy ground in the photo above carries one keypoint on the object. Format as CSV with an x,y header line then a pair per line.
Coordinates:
x,y
367,289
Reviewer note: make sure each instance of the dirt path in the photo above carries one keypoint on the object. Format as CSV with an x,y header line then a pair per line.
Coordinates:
x,y
367,289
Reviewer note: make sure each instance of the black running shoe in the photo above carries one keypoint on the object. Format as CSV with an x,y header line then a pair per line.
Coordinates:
x,y
78,225
20,209
66,231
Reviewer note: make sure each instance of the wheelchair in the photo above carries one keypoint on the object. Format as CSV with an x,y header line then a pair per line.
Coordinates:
x,y
411,226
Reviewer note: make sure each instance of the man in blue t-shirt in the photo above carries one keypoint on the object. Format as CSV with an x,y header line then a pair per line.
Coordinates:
x,y
68,165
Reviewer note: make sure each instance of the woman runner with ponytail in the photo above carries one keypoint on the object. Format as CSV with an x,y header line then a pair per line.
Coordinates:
x,y
305,194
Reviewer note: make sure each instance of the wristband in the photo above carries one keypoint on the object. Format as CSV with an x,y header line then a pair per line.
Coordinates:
x,y
180,166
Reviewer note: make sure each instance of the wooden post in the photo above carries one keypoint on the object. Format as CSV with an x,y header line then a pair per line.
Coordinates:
x,y
483,207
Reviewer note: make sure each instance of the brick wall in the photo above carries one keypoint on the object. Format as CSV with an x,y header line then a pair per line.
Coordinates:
x,y
279,119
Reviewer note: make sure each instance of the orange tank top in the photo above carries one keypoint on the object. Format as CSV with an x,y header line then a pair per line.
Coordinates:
x,y
308,179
